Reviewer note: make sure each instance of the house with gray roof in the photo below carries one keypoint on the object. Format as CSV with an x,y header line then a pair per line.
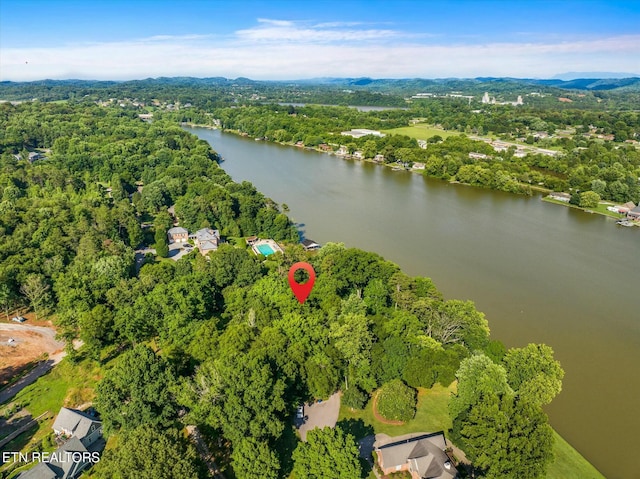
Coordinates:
x,y
77,424
422,455
634,214
309,245
177,234
207,240
79,451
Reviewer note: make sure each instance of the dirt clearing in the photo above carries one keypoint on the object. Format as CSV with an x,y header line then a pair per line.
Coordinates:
x,y
22,345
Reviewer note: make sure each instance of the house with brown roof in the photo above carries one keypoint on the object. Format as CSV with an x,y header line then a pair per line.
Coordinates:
x,y
422,455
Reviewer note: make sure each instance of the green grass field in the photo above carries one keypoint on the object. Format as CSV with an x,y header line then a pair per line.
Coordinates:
x,y
421,131
432,415
67,384
569,463
600,209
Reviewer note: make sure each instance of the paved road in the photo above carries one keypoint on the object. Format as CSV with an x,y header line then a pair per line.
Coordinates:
x,y
52,346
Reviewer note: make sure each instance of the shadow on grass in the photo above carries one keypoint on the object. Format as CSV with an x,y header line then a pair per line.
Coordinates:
x,y
356,427
20,442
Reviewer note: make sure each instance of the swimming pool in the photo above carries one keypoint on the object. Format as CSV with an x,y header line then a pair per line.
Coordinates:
x,y
265,249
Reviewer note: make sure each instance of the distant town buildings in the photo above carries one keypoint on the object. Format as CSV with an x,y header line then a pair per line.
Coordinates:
x,y
487,100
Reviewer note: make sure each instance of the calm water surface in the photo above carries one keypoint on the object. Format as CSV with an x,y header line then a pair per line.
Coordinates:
x,y
540,272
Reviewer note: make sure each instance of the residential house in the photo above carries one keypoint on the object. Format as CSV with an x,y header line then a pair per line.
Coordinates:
x,y
422,455
74,423
310,245
207,240
177,235
418,166
378,158
357,155
79,451
477,156
342,151
251,240
564,197
634,214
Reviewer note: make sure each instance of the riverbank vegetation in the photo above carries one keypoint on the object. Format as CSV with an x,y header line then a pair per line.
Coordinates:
x,y
220,342
538,148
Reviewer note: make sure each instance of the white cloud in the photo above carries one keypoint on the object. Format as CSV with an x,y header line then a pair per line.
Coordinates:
x,y
279,49
287,31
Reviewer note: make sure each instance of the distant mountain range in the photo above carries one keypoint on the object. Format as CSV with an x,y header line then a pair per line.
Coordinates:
x,y
601,75
595,83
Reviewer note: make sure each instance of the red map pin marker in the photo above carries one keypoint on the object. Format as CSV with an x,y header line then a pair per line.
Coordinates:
x,y
301,291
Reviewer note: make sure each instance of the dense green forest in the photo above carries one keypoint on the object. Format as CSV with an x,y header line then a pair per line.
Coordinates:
x,y
220,342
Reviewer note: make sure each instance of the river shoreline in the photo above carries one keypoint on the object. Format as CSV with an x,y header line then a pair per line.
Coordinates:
x,y
538,273
395,167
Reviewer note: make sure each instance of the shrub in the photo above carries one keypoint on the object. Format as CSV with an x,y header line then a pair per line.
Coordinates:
x,y
354,398
397,401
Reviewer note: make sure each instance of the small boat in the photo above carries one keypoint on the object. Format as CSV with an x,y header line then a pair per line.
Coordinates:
x,y
625,223
397,168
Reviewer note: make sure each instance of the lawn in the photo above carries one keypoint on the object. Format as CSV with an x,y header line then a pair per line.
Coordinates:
x,y
600,209
421,131
432,416
67,384
568,463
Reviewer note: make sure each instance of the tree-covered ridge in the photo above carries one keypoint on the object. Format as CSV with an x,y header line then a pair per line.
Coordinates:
x,y
598,94
219,342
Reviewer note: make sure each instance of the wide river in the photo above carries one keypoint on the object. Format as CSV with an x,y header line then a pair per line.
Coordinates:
x,y
540,272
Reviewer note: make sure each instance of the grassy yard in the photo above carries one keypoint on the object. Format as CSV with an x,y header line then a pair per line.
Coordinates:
x,y
67,384
601,209
568,463
432,416
421,131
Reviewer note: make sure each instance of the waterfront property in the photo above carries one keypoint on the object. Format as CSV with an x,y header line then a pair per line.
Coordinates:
x,y
266,247
422,455
634,214
309,245
564,197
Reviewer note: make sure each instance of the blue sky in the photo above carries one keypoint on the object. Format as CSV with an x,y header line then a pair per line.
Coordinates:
x,y
117,39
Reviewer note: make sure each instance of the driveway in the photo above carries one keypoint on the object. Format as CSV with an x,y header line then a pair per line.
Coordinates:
x,y
322,414
176,251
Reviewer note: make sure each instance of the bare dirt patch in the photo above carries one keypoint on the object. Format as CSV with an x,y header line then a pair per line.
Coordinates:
x,y
21,347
